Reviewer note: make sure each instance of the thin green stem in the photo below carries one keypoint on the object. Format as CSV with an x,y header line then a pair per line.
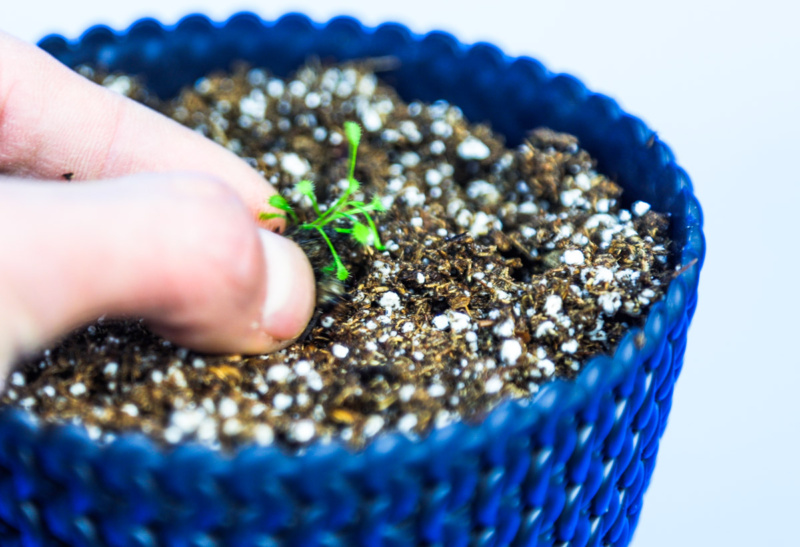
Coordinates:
x,y
314,204
324,219
378,245
353,152
349,217
339,266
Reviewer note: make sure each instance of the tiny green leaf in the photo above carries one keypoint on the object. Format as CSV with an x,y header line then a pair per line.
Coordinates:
x,y
376,204
279,202
268,216
361,233
353,133
341,272
305,187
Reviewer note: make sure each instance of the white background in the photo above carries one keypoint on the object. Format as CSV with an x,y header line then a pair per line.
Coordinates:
x,y
721,86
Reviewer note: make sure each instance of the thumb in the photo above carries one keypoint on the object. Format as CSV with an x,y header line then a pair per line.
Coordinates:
x,y
180,250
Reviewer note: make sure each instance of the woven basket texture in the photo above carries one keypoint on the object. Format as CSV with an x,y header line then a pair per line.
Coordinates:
x,y
568,468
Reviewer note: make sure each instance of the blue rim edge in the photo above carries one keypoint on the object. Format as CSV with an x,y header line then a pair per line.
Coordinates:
x,y
537,419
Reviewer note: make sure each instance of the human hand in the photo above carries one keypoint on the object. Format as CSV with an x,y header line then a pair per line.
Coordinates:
x,y
166,230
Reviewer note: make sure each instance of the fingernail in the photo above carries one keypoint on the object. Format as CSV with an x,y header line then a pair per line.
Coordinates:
x,y
290,287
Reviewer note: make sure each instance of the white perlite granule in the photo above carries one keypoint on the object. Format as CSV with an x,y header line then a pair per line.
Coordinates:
x,y
371,120
603,275
232,427
373,425
314,381
302,431
459,322
493,385
433,177
640,208
483,190
340,351
406,392
295,165
278,373
254,105
130,409
571,197
544,328
390,301
473,149
302,368
610,302
547,367
407,422
570,346
504,329
573,257
282,401
228,408
187,420
510,351
553,305
441,322
263,434
173,434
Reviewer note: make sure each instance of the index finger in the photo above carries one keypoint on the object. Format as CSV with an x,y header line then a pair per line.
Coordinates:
x,y
54,121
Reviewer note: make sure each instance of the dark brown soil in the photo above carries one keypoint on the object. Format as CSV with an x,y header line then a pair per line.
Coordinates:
x,y
504,269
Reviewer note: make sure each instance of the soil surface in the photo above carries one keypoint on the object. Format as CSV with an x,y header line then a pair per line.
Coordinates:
x,y
503,269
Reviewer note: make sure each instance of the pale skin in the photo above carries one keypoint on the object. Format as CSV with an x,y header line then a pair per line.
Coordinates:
x,y
158,222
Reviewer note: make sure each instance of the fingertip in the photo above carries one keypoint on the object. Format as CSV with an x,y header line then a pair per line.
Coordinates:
x,y
290,288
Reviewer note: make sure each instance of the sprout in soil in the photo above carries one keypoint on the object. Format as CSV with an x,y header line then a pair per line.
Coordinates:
x,y
342,215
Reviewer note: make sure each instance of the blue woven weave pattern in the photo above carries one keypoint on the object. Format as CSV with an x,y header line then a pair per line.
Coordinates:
x,y
568,468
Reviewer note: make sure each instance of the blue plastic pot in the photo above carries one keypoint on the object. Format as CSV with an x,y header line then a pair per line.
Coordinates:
x,y
567,468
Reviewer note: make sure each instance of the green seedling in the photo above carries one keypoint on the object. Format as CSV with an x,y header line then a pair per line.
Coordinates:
x,y
342,215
